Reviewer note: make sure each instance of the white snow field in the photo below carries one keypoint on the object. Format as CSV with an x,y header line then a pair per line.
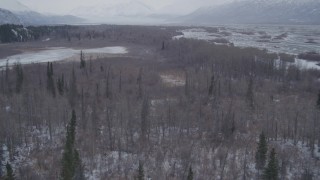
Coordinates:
x,y
58,54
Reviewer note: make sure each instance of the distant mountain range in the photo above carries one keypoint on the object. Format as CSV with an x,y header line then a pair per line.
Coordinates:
x,y
13,6
7,17
13,12
136,12
258,11
34,18
124,11
103,10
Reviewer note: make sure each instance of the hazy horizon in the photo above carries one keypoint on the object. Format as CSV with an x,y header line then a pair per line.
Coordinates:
x,y
164,6
163,12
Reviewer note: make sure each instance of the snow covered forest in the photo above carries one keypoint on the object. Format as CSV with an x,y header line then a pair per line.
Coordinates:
x,y
169,109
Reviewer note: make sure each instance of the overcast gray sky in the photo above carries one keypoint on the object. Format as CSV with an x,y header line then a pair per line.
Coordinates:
x,y
65,6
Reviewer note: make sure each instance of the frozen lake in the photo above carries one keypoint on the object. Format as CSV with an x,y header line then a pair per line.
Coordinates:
x,y
278,39
58,54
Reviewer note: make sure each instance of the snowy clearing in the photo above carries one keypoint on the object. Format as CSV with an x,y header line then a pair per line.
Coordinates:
x,y
172,80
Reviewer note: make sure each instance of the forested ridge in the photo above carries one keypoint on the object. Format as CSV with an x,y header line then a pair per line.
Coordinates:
x,y
19,33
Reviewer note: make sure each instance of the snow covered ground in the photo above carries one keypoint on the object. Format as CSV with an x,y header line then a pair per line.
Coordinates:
x,y
172,80
126,163
286,39
302,154
58,54
278,39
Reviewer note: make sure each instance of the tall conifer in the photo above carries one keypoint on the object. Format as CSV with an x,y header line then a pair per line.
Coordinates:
x,y
272,170
261,154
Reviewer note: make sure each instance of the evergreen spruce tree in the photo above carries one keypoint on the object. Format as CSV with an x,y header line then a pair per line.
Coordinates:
x,y
10,174
272,170
261,154
307,175
140,172
51,69
53,88
190,174
250,93
60,85
71,163
79,169
1,157
139,82
73,92
82,60
19,77
211,87
48,70
7,71
50,82
318,102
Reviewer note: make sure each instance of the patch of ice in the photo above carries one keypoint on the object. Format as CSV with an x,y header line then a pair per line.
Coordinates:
x,y
195,33
300,63
155,102
57,54
307,64
8,108
172,80
48,39
177,37
108,50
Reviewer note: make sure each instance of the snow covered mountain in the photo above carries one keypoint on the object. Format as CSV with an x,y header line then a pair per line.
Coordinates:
x,y
7,17
180,7
259,11
102,11
35,18
13,6
14,12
